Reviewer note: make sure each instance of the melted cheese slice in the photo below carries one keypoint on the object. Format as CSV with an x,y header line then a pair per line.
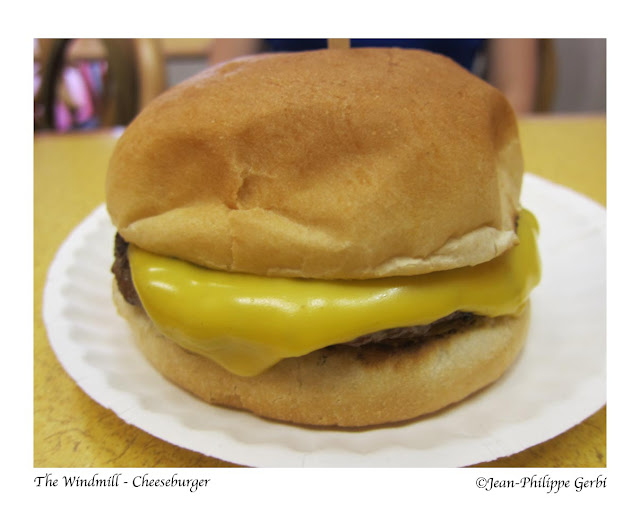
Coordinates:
x,y
247,323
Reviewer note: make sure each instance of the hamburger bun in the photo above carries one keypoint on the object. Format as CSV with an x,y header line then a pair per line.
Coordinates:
x,y
341,164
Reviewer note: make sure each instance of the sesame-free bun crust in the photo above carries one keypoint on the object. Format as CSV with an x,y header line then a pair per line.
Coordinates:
x,y
355,163
342,385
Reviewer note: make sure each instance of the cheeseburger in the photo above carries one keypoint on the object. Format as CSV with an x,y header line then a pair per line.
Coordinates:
x,y
331,238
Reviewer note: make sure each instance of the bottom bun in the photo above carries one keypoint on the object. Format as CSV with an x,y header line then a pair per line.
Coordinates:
x,y
343,385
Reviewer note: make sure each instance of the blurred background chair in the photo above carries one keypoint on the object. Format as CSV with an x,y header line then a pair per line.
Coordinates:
x,y
120,75
547,76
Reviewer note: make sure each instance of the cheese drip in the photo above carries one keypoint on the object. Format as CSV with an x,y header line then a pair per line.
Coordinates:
x,y
247,323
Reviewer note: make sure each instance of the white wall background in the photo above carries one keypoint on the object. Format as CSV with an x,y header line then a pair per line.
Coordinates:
x,y
580,75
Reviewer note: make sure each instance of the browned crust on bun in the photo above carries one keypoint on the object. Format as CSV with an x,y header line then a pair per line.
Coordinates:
x,y
342,385
334,164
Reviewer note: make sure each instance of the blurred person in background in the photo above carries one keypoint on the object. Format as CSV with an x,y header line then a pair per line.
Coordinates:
x,y
511,65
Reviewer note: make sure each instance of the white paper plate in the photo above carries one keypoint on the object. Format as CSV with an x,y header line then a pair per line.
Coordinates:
x,y
558,381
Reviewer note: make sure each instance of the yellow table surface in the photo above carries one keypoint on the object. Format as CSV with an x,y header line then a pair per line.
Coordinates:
x,y
72,430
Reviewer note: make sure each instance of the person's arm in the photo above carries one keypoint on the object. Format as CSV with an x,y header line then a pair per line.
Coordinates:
x,y
227,49
513,69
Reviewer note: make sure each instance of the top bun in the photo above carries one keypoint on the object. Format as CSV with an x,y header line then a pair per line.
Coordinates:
x,y
332,164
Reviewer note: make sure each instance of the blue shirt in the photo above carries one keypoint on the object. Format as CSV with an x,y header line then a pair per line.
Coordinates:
x,y
462,51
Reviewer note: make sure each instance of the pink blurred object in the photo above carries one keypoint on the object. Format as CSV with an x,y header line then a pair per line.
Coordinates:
x,y
80,92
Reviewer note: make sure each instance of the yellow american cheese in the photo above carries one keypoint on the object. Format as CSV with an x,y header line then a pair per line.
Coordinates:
x,y
247,323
